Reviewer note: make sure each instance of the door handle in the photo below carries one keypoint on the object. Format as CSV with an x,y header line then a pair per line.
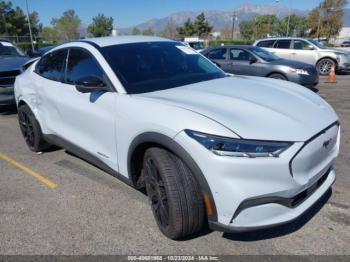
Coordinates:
x,y
294,53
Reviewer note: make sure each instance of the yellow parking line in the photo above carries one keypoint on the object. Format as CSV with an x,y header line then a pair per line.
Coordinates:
x,y
37,176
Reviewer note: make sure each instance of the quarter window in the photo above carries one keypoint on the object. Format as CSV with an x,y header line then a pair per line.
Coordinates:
x,y
266,43
81,64
51,65
283,44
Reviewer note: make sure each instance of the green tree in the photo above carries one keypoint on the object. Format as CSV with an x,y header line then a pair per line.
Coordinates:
x,y
148,31
5,8
201,26
50,35
265,25
136,31
187,29
101,26
67,25
298,26
326,19
246,29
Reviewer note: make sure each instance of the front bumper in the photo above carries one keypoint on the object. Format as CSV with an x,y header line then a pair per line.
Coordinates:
x,y
252,193
308,81
7,96
274,214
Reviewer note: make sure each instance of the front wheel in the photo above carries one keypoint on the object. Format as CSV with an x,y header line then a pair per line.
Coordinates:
x,y
174,194
324,66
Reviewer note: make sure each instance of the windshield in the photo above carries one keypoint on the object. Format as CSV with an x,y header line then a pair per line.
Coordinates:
x,y
318,44
152,66
7,49
263,54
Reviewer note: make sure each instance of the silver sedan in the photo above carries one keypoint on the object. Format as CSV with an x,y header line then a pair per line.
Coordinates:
x,y
255,61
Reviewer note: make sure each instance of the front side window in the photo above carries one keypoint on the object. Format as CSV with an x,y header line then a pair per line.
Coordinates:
x,y
152,66
283,44
301,45
217,54
266,43
81,64
51,65
240,55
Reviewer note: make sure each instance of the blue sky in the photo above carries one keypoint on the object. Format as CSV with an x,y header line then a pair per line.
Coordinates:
x,y
131,12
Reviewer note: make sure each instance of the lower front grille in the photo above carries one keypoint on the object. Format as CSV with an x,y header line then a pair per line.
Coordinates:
x,y
288,202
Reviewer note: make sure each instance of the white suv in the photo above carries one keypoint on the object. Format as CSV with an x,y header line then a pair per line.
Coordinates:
x,y
237,152
309,51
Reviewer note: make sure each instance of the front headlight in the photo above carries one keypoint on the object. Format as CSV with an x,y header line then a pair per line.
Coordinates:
x,y
225,146
300,71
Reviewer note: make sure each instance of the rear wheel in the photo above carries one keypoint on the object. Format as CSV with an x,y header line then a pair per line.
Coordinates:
x,y
277,76
324,66
31,130
174,194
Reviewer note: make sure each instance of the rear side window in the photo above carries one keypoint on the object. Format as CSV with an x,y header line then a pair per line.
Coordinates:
x,y
266,43
283,44
218,54
51,65
81,64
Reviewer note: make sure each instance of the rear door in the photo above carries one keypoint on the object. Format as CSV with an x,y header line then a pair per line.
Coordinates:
x,y
303,51
219,56
48,76
282,48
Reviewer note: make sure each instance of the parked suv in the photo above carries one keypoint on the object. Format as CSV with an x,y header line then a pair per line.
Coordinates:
x,y
238,152
308,51
11,61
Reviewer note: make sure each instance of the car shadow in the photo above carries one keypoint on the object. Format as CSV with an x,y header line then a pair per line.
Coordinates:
x,y
281,230
8,110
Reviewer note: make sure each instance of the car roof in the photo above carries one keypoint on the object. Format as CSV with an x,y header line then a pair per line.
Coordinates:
x,y
119,40
232,46
283,38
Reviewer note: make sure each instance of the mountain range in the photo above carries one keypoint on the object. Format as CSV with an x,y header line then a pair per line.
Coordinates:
x,y
220,19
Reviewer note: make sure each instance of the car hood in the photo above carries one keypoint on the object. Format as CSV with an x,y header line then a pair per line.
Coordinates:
x,y
254,107
335,50
9,63
291,63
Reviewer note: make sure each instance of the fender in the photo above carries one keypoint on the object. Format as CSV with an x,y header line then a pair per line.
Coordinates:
x,y
179,151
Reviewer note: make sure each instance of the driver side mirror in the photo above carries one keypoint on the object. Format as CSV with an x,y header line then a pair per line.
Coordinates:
x,y
311,47
252,60
89,84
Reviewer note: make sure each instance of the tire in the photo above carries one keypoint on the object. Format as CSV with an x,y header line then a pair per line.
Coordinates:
x,y
31,130
277,76
180,212
324,66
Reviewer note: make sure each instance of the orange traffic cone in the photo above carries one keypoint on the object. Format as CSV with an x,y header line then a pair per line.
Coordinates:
x,y
331,76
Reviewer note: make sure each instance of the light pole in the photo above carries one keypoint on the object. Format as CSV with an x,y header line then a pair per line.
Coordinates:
x,y
234,17
29,26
